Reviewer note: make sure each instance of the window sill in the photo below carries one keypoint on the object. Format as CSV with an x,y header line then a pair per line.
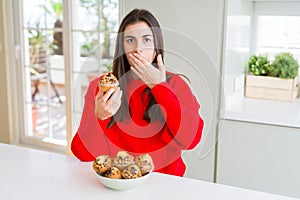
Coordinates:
x,y
262,111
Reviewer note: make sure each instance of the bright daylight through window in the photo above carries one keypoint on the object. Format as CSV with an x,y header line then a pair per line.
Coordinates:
x,y
277,34
91,28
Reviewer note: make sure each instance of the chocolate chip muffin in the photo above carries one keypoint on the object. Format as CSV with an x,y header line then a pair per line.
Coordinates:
x,y
122,160
132,171
113,172
102,164
107,81
145,163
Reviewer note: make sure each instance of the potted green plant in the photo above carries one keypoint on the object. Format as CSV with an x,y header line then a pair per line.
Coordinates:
x,y
259,65
277,80
284,66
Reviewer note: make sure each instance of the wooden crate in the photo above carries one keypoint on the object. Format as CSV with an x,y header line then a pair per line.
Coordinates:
x,y
272,88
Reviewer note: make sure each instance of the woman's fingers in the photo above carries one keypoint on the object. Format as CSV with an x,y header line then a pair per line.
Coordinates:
x,y
116,96
108,104
138,63
99,95
114,102
146,71
108,94
141,59
138,73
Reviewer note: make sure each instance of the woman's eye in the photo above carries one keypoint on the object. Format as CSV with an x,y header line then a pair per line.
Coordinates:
x,y
130,40
147,40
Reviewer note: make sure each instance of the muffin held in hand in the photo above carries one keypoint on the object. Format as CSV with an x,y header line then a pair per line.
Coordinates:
x,y
145,163
113,172
122,160
107,81
132,171
102,164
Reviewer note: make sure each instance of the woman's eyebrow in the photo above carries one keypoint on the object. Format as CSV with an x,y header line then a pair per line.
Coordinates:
x,y
147,35
128,36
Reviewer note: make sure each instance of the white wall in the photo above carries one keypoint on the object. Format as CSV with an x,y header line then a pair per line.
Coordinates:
x,y
192,31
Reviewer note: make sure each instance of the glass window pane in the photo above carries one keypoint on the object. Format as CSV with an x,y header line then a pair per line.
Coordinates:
x,y
109,15
37,46
85,51
38,116
56,62
56,42
238,26
46,13
94,23
88,42
85,15
34,13
81,82
54,13
57,83
44,71
108,44
277,34
47,124
29,84
58,126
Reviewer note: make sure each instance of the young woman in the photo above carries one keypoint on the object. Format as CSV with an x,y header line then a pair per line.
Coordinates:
x,y
152,111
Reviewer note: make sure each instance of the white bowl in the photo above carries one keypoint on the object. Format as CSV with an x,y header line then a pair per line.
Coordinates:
x,y
122,184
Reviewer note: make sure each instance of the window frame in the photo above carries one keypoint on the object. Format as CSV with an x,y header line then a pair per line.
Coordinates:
x,y
16,80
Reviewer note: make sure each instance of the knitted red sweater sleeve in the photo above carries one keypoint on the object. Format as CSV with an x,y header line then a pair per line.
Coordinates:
x,y
89,140
79,150
181,111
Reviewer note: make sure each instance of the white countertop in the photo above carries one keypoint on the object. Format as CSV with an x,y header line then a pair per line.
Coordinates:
x,y
240,108
32,174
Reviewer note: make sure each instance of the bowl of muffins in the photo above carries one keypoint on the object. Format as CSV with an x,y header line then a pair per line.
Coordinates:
x,y
124,171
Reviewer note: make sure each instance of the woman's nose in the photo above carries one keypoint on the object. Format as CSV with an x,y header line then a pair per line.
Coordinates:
x,y
139,47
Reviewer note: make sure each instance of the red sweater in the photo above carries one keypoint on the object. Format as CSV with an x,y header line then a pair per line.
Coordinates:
x,y
164,141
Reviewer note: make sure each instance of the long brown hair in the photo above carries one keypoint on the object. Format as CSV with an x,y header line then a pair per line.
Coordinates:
x,y
121,65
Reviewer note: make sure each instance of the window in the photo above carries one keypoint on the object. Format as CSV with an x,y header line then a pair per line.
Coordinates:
x,y
65,44
258,27
277,28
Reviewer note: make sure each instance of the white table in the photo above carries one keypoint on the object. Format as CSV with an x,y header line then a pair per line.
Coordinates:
x,y
32,174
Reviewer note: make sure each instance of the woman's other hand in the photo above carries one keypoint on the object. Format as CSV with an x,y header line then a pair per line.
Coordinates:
x,y
106,105
146,71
